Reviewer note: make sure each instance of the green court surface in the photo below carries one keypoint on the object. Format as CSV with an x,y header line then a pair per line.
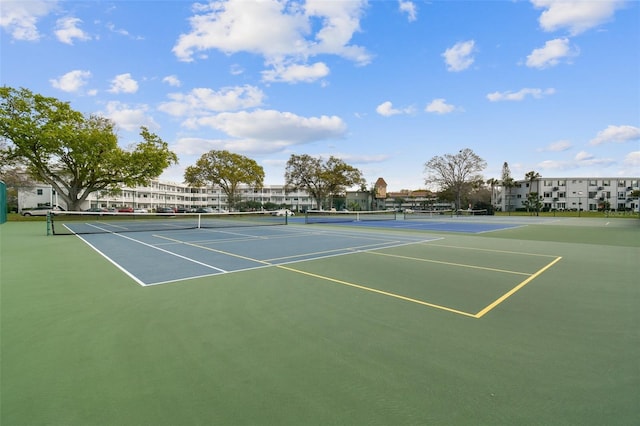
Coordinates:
x,y
530,325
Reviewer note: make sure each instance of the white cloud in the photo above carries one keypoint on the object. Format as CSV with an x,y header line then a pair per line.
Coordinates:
x,y
519,95
202,101
616,134
575,15
440,106
198,146
360,158
172,80
281,32
262,131
409,8
123,83
296,73
460,56
72,81
584,158
551,54
128,117
632,159
275,126
558,146
121,31
553,165
67,30
386,109
236,69
19,18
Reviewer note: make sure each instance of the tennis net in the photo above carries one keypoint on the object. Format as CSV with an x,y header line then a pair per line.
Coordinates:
x,y
72,222
427,214
323,216
469,212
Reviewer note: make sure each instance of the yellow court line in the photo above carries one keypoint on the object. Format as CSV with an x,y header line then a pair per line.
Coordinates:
x,y
347,250
462,265
373,290
516,288
489,250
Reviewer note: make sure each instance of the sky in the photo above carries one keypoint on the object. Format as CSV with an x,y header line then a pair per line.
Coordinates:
x,y
385,85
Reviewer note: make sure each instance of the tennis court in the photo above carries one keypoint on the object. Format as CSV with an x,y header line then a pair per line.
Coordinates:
x,y
531,322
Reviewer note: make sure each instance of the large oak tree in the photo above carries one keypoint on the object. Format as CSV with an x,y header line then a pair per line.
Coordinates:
x,y
457,173
321,179
74,153
227,170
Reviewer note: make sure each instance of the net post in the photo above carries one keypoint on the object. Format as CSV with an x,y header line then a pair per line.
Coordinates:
x,y
49,225
199,219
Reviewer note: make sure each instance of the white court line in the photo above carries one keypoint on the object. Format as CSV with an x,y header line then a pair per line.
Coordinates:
x,y
266,264
296,233
113,262
150,246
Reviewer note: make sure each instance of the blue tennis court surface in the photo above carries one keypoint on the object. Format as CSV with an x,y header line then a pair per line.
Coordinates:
x,y
154,257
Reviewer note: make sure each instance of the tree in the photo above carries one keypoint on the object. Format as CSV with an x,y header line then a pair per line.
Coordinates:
x,y
492,184
227,170
319,178
457,172
636,194
76,155
533,202
15,179
531,177
507,183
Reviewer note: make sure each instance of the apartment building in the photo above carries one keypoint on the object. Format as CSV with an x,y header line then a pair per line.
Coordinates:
x,y
573,193
169,194
577,193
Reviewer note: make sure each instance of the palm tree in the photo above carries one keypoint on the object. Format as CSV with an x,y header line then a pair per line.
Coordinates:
x,y
507,183
531,177
493,183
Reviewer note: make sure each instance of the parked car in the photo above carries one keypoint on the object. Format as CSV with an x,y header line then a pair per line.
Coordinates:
x,y
164,210
283,212
41,211
97,210
205,210
125,210
140,210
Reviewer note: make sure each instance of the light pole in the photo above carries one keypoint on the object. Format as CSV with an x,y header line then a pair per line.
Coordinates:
x,y
579,202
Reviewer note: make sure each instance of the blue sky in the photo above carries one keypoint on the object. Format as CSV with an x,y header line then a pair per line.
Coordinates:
x,y
544,85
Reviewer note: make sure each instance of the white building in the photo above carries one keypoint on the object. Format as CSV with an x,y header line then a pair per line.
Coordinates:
x,y
586,194
574,193
168,194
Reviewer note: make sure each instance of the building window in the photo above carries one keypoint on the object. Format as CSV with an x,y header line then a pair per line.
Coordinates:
x,y
39,191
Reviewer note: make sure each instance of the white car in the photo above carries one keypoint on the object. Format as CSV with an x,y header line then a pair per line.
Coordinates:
x,y
283,212
41,211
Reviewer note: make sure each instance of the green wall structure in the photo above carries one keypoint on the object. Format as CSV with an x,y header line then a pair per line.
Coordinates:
x,y
3,202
